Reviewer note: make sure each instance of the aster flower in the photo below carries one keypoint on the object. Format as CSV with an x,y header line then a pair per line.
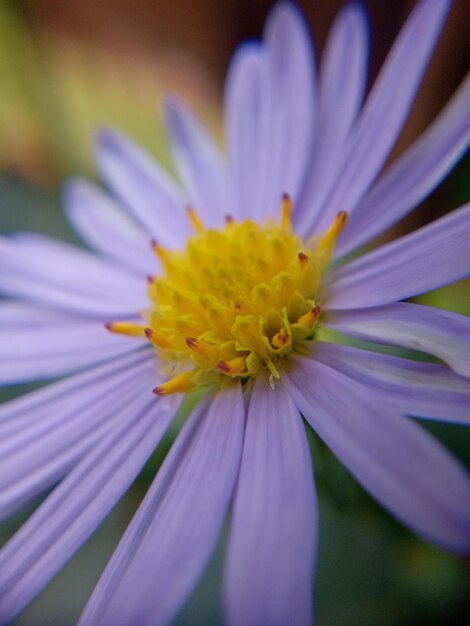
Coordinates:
x,y
239,285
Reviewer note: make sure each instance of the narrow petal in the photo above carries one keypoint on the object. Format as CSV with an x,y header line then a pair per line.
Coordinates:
x,y
144,188
54,346
426,259
397,461
441,333
52,437
414,388
199,162
414,175
288,108
77,506
386,108
36,267
169,541
274,525
343,77
242,123
105,227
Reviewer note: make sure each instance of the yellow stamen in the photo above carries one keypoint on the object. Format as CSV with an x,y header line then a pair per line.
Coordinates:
x,y
233,367
310,318
195,220
126,328
157,338
280,339
180,383
159,250
327,243
286,211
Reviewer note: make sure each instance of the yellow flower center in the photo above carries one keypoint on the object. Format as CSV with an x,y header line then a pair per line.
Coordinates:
x,y
236,301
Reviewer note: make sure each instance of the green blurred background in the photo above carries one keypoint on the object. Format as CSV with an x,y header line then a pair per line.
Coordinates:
x,y
68,67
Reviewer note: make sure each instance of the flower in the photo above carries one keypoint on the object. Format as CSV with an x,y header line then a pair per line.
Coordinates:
x,y
236,287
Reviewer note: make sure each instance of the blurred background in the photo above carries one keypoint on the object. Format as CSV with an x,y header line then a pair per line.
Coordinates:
x,y
67,68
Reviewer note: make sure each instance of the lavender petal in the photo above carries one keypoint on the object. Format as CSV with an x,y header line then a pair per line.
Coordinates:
x,y
397,461
168,543
386,108
268,577
104,226
426,390
426,259
144,188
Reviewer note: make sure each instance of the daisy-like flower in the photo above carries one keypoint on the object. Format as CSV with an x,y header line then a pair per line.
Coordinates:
x,y
227,299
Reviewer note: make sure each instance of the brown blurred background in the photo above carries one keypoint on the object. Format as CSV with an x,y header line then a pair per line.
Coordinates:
x,y
128,53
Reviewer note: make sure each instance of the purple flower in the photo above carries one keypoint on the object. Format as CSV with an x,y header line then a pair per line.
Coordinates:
x,y
232,307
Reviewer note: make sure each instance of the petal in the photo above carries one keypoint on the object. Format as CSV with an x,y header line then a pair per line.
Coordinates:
x,y
53,344
396,460
145,189
414,388
441,333
106,228
242,123
274,526
270,108
343,76
287,109
36,267
426,259
199,162
42,441
78,505
386,108
169,541
414,175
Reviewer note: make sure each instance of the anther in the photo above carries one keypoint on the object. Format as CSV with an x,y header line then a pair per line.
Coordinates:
x,y
233,367
229,219
303,258
195,220
180,383
280,339
126,328
159,250
156,338
286,210
310,318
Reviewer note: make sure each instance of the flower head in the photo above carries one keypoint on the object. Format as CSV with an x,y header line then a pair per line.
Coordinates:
x,y
231,305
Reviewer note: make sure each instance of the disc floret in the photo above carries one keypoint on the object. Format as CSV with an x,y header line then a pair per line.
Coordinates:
x,y
236,301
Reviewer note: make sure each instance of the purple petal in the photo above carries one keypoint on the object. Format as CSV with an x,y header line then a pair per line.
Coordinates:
x,y
78,505
145,189
53,345
287,109
386,108
106,228
441,333
44,434
199,163
343,75
242,123
396,460
426,259
36,267
270,107
414,175
414,388
274,525
169,541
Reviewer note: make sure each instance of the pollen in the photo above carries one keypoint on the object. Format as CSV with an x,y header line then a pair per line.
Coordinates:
x,y
236,301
